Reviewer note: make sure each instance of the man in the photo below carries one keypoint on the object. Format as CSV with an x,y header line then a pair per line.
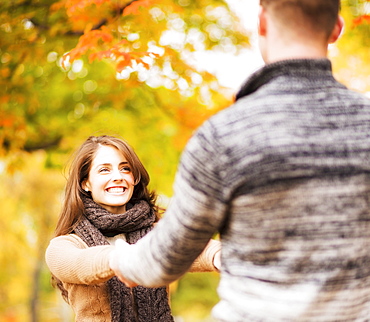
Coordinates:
x,y
284,176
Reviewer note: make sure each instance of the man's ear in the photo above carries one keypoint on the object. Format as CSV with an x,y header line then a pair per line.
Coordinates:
x,y
262,23
338,28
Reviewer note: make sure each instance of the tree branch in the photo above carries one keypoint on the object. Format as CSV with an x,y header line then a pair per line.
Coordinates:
x,y
45,145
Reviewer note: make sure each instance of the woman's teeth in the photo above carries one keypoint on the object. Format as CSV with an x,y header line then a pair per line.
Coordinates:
x,y
116,190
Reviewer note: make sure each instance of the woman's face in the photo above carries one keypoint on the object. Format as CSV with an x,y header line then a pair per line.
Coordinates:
x,y
110,180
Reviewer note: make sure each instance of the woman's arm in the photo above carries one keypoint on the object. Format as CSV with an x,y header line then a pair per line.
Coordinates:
x,y
72,261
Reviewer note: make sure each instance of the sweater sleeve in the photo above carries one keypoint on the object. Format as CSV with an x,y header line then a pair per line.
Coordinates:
x,y
204,262
197,211
72,261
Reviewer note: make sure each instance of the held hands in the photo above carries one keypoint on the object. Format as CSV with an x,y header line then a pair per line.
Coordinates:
x,y
211,257
217,260
120,247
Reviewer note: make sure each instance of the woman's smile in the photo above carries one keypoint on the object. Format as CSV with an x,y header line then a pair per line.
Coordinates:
x,y
110,180
116,190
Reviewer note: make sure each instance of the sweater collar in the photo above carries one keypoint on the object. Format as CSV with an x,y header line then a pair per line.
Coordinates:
x,y
293,67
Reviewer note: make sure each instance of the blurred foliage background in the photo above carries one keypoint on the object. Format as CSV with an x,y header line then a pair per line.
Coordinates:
x,y
74,68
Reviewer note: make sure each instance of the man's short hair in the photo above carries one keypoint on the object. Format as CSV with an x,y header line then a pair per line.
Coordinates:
x,y
315,15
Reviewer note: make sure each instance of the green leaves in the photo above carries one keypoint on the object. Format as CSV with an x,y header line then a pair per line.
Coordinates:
x,y
62,62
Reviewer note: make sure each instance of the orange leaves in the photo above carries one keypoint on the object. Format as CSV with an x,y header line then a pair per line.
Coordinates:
x,y
364,16
92,40
89,41
83,12
122,57
7,121
4,99
361,20
103,40
5,72
133,8
73,6
126,59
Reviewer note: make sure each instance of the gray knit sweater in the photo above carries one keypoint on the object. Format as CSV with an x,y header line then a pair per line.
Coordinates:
x,y
284,176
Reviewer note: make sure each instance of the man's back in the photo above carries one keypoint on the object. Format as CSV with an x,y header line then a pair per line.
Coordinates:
x,y
297,170
284,176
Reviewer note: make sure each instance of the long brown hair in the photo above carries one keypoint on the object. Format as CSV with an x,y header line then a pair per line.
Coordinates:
x,y
73,209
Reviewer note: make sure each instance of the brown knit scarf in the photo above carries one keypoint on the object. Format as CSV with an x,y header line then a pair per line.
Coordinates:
x,y
139,304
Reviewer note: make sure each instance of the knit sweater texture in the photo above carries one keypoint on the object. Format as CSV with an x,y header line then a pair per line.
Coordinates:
x,y
284,176
85,270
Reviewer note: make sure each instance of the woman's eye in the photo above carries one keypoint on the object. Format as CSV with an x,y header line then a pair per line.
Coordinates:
x,y
103,170
125,169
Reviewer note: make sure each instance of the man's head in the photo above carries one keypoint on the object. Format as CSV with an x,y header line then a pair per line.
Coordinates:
x,y
301,21
318,16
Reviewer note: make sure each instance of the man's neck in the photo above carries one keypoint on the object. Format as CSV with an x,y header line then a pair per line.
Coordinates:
x,y
295,51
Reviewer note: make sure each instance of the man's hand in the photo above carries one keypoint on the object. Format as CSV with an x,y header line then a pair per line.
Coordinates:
x,y
217,260
120,247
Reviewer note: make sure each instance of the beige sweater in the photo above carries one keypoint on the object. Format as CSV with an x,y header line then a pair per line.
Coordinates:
x,y
84,270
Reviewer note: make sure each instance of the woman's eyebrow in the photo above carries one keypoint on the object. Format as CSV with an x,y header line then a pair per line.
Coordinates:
x,y
109,164
103,164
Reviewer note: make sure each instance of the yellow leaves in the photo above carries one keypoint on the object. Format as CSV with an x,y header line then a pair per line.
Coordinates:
x,y
350,55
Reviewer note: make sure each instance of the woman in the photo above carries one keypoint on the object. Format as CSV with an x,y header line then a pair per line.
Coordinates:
x,y
107,198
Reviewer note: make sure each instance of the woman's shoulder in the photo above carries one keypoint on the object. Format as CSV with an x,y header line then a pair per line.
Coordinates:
x,y
68,239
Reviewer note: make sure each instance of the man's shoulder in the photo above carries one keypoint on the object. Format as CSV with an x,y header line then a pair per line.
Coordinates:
x,y
232,112
227,124
243,111
358,97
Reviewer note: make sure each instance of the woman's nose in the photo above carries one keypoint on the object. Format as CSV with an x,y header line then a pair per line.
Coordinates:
x,y
117,175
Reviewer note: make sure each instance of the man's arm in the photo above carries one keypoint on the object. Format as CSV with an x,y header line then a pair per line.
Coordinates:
x,y
195,213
